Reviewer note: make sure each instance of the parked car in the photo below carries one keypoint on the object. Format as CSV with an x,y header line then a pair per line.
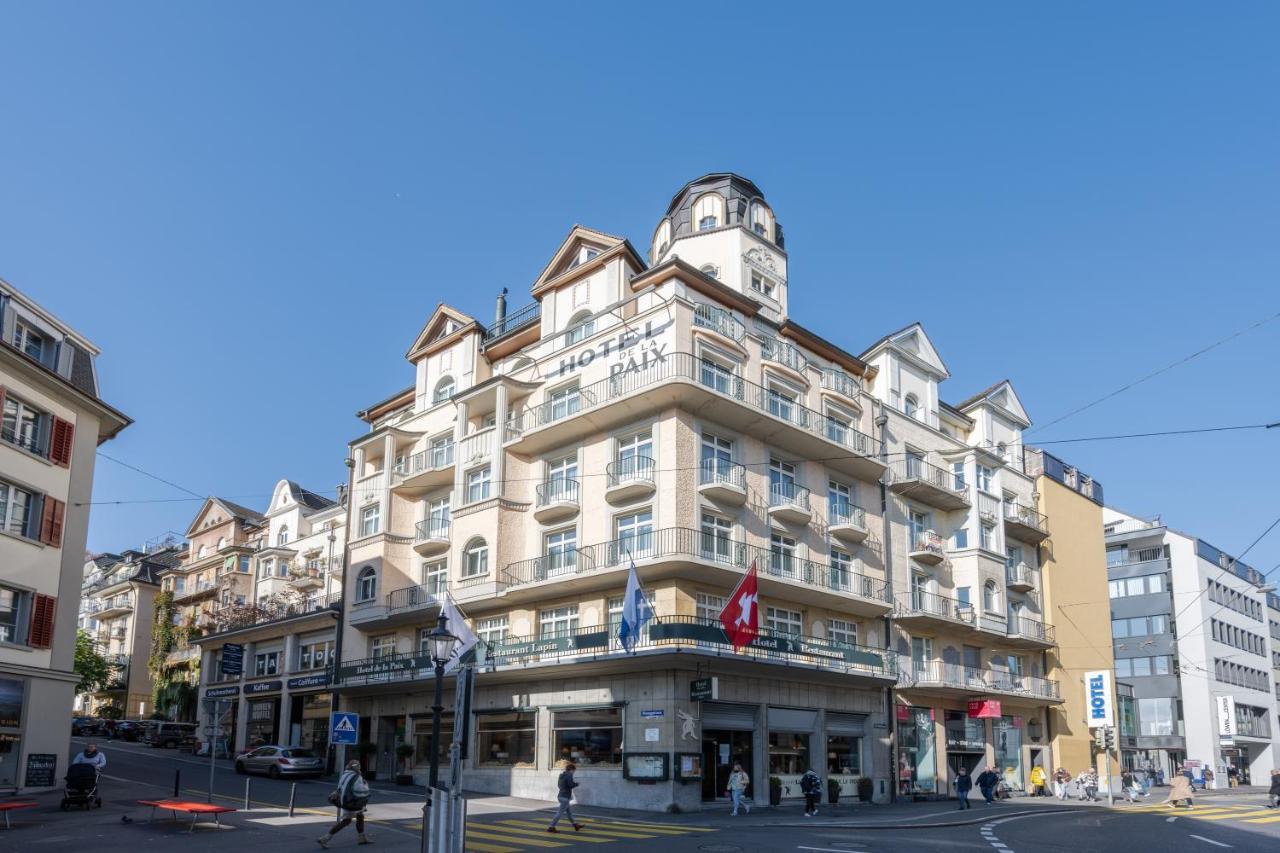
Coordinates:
x,y
131,730
85,726
276,761
170,735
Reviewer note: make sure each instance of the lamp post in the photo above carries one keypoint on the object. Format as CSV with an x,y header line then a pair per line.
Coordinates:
x,y
440,643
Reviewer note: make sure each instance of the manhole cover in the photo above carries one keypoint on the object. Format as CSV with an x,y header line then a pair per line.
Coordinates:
x,y
720,848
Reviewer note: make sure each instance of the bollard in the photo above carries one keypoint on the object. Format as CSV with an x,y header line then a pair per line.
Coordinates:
x,y
293,791
177,777
246,793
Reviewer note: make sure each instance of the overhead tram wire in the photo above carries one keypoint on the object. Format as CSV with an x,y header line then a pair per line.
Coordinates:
x,y
149,474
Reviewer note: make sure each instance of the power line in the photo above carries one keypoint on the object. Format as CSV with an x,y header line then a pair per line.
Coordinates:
x,y
149,474
1156,373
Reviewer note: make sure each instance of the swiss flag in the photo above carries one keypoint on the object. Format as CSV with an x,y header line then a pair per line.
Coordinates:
x,y
741,615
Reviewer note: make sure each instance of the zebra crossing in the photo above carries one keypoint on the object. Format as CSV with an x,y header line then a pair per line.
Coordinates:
x,y
525,835
1244,814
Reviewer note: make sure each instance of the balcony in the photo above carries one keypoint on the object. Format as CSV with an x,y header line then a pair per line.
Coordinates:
x,y
431,536
1021,577
847,522
195,590
236,617
953,679
789,502
310,577
720,321
926,608
780,352
423,471
1023,522
687,382
186,655
928,548
513,322
683,635
116,605
557,499
629,478
929,484
723,481
841,383
1031,633
403,606
476,447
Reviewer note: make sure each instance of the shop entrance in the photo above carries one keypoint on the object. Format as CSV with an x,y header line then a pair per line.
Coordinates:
x,y
721,749
970,761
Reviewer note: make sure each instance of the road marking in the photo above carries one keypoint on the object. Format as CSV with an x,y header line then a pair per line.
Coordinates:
x,y
590,835
1268,819
1170,819
489,848
513,839
827,849
1210,841
645,825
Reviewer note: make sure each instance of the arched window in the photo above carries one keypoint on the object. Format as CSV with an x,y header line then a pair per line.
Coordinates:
x,y
911,406
222,542
761,220
282,538
367,584
204,552
708,212
661,239
475,559
580,327
990,597
444,390
710,269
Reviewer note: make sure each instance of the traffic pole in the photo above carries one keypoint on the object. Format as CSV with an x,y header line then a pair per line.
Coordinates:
x,y
177,781
1106,756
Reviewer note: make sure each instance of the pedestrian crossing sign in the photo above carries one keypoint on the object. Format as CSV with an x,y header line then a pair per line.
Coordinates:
x,y
343,727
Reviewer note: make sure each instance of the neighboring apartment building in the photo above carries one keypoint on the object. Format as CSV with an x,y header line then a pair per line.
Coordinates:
x,y
675,414
52,419
1191,635
286,626
1273,625
117,609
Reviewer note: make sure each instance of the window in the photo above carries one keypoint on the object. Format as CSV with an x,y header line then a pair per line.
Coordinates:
x,y
383,647
634,533
717,458
370,519
957,475
716,533
564,402
1140,626
963,600
266,663
581,327
475,559
315,655
708,211
990,597
710,269
266,567
985,476
786,622
558,621
589,737
661,239
29,341
438,518
562,479
762,285
367,584
842,631
561,552
838,500
782,481
838,427
782,403
710,606
841,570
760,219
444,390
435,577
716,376
282,538
782,555
960,538
11,622
988,536
478,484
22,425
492,630
910,405
15,509
634,454
919,524
1158,717
506,739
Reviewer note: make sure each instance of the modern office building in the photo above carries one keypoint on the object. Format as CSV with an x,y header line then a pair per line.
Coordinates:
x,y
1191,635
673,413
53,419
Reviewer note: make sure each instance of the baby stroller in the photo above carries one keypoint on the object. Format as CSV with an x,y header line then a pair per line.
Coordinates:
x,y
81,788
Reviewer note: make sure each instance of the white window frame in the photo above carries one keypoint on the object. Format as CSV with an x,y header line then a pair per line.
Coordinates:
x,y
366,584
479,482
475,558
370,520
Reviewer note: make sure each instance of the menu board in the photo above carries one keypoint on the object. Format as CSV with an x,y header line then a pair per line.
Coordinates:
x,y
645,766
42,770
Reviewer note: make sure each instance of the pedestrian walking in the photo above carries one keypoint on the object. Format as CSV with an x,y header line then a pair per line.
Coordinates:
x,y
1273,793
987,781
738,782
1037,781
564,794
811,787
351,797
1129,786
1180,789
964,785
91,755
1060,780
1233,776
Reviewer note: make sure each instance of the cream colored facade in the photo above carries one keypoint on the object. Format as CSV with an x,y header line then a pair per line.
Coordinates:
x,y
673,413
53,422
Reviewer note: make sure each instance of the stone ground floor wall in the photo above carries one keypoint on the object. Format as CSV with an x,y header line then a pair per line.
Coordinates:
x,y
42,735
776,725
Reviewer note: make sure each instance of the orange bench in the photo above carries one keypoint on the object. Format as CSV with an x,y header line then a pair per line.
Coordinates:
x,y
15,804
193,809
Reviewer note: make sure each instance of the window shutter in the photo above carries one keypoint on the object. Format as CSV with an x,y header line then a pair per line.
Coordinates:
x,y
1,399
51,522
43,608
60,445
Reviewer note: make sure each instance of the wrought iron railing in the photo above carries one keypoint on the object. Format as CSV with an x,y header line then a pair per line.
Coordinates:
x,y
717,471
431,459
630,469
415,597
917,602
913,468
784,493
840,382
783,353
912,673
431,528
1026,516
843,512
1031,629
719,320
557,490
515,320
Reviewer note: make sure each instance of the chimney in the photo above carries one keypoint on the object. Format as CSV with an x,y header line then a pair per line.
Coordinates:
x,y
500,312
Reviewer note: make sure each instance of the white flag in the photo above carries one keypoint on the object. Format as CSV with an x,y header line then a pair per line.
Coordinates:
x,y
458,626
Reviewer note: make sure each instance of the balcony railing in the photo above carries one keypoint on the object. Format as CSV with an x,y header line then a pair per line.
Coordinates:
x,y
686,367
1031,629
194,588
929,543
840,382
954,675
416,597
1119,558
912,468
1026,516
684,634
920,603
989,507
715,470
476,446
431,528
630,469
843,512
783,353
236,617
1021,575
557,490
719,320
432,459
788,494
517,319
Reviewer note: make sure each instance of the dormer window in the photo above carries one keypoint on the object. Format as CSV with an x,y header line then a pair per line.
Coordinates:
x,y
585,254
911,406
711,270
444,390
708,212
661,239
29,341
580,327
761,220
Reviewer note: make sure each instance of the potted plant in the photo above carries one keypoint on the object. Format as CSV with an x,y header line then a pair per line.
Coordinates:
x,y
775,791
865,789
833,790
365,749
403,752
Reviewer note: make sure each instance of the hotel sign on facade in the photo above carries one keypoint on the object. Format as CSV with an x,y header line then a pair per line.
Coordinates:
x,y
1099,699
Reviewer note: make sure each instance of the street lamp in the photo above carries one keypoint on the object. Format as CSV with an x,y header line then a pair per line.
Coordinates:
x,y
440,644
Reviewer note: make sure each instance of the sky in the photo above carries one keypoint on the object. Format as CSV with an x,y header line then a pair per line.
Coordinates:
x,y
253,208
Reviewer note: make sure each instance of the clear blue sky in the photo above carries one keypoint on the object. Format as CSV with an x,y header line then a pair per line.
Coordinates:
x,y
253,207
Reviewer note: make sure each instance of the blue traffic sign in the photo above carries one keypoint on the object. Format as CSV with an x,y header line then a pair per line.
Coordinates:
x,y
343,727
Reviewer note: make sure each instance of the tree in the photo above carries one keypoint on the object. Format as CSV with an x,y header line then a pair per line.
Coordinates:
x,y
94,670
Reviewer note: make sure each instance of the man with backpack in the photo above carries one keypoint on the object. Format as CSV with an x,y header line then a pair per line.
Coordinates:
x,y
811,787
351,796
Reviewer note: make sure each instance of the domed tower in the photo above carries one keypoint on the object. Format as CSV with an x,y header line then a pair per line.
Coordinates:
x,y
721,224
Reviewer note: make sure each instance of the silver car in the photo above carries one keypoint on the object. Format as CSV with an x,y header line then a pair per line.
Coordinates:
x,y
276,761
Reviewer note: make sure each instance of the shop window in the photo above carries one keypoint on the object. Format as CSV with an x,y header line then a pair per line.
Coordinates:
x,y
590,737
267,663
506,740
788,753
844,756
1007,732
917,751
422,741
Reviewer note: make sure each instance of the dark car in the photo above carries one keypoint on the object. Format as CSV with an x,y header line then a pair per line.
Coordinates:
x,y
85,726
277,761
130,730
170,735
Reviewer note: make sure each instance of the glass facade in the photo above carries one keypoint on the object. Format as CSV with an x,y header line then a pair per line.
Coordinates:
x,y
788,753
917,751
1008,737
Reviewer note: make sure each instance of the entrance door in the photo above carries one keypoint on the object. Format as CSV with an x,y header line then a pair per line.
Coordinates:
x,y
970,761
721,749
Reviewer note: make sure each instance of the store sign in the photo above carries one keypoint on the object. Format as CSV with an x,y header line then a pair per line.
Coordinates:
x,y
1226,708
634,350
232,659
42,770
984,709
505,652
262,687
305,681
704,689
384,666
1099,704
215,692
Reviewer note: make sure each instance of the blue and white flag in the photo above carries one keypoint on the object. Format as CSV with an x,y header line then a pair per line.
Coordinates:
x,y
635,610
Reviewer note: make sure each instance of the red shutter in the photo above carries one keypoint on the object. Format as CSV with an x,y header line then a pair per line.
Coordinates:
x,y
51,522
60,444
42,610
